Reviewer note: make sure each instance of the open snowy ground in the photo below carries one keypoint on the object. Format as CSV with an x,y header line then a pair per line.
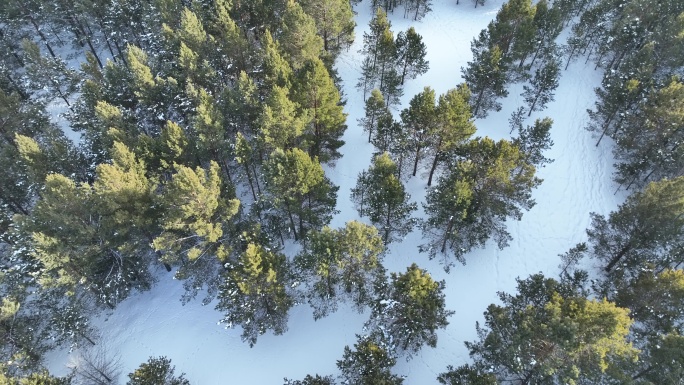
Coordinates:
x,y
578,182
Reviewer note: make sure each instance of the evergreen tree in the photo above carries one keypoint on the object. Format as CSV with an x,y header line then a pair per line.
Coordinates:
x,y
654,301
86,237
299,190
453,127
156,371
194,227
369,363
419,8
340,266
316,93
644,231
381,196
542,86
299,38
533,140
549,332
411,310
253,292
418,119
411,53
312,380
649,149
334,22
466,375
380,53
48,72
472,201
276,69
281,126
375,107
486,78
39,378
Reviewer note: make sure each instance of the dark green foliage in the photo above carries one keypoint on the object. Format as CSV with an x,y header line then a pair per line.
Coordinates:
x,y
646,230
298,36
299,190
542,86
93,239
378,69
380,195
550,333
340,266
453,126
411,53
654,300
411,310
194,227
471,202
315,92
369,363
374,110
466,375
254,293
39,378
309,380
533,140
156,371
334,22
418,120
486,78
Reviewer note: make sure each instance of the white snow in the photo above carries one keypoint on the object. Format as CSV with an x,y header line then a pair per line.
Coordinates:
x,y
578,182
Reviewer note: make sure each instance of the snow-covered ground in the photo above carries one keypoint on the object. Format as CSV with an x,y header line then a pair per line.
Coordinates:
x,y
578,182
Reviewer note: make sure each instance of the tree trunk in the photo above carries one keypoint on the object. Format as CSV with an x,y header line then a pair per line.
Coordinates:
x,y
415,164
434,165
618,257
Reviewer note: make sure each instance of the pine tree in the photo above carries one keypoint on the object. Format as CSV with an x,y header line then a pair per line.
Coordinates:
x,y
486,78
253,293
644,231
39,378
299,190
369,363
471,202
418,119
281,125
533,140
381,196
466,375
411,53
411,310
335,23
419,8
549,332
542,86
380,53
232,48
299,38
340,266
156,371
654,300
241,105
48,72
312,380
315,92
649,149
375,107
194,226
454,125
276,69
